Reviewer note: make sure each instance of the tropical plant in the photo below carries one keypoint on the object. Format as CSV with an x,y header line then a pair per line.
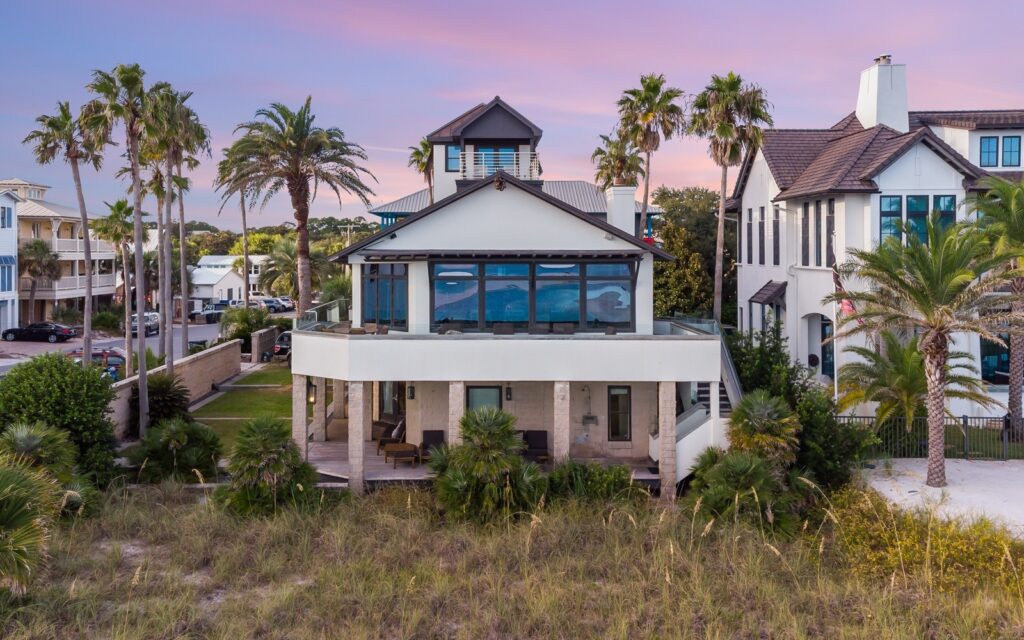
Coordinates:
x,y
177,448
66,136
53,390
682,284
421,159
934,290
280,274
106,320
41,446
65,314
485,477
284,149
593,481
762,362
829,448
617,162
240,323
28,504
117,229
230,183
648,114
1000,212
267,470
337,288
893,377
123,99
764,425
730,114
168,400
37,261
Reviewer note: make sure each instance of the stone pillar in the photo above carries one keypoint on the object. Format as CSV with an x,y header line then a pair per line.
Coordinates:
x,y
319,426
456,409
359,419
667,439
339,408
299,423
560,422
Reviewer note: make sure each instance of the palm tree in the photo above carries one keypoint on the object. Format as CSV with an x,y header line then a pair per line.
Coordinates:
x,y
934,290
64,135
227,170
37,260
284,149
646,115
279,272
193,138
420,158
617,163
1000,210
118,229
122,98
730,114
765,425
894,378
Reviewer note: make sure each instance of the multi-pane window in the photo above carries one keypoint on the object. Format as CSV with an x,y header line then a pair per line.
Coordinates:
x,y
750,236
451,158
830,233
805,235
6,217
946,206
989,151
385,294
890,217
760,236
817,233
6,278
775,235
1011,151
917,217
619,414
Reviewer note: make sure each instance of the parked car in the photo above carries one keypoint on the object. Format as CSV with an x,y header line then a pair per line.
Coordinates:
x,y
151,323
274,305
236,304
49,331
289,304
283,346
212,312
112,361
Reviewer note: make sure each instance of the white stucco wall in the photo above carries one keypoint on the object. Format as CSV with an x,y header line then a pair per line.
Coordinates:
x,y
974,154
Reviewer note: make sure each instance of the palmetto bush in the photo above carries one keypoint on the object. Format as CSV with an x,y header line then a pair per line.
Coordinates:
x,y
267,470
765,425
29,501
177,448
485,477
168,400
41,446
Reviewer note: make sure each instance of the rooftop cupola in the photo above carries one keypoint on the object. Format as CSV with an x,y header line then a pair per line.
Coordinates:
x,y
882,98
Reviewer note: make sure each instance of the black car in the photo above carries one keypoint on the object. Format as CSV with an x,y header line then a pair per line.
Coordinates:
x,y
283,346
48,331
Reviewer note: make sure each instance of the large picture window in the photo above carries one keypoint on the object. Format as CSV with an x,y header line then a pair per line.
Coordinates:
x,y
533,296
385,294
891,208
620,428
917,217
989,151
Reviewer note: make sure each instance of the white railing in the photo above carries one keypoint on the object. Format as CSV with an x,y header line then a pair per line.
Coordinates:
x,y
69,283
524,165
77,245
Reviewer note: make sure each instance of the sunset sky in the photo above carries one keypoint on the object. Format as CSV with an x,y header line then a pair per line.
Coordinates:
x,y
389,72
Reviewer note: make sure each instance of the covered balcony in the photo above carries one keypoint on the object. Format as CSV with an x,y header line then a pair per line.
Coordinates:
x,y
524,165
69,286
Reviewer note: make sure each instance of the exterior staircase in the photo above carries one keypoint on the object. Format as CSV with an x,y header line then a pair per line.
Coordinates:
x,y
704,397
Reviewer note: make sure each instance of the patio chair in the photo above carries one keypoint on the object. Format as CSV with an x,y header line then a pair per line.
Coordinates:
x,y
396,436
536,445
431,438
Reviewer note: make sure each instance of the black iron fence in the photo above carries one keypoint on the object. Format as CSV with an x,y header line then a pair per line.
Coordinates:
x,y
996,438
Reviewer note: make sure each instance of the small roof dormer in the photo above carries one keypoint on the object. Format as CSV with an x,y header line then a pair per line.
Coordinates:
x,y
25,189
492,121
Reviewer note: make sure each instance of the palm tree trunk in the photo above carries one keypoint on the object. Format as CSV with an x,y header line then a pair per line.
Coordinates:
x,y
166,292
720,245
935,373
158,300
300,204
245,250
32,302
140,284
430,183
1016,360
647,188
183,266
87,319
129,368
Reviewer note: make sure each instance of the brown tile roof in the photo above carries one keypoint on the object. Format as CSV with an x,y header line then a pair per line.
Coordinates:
x,y
452,130
1010,176
986,119
447,130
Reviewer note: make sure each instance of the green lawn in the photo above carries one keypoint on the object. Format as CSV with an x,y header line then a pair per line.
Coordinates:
x,y
231,410
272,374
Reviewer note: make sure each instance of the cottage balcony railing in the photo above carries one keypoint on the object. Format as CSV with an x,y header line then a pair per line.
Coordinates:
x,y
69,283
524,165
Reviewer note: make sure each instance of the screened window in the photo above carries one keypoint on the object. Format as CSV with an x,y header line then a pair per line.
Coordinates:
x,y
1011,151
805,235
891,215
830,233
775,235
917,217
386,294
451,158
750,236
946,206
990,151
817,233
760,236
619,414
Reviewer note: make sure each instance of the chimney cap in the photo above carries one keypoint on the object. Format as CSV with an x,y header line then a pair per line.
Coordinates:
x,y
885,58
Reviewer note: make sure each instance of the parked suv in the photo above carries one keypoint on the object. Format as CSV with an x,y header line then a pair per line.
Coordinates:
x,y
283,346
289,304
151,322
213,312
274,305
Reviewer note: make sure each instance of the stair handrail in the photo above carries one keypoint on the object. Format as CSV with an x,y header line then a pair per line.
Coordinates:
x,y
730,377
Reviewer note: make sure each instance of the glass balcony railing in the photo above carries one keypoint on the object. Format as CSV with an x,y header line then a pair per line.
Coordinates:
x,y
323,317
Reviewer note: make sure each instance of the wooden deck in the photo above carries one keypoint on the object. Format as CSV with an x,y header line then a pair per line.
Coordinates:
x,y
331,459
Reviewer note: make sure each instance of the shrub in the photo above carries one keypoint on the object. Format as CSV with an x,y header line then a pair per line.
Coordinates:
x,y
66,315
177,448
593,481
765,425
762,362
53,390
282,324
877,540
80,498
241,323
829,448
28,504
168,400
267,470
41,446
106,321
485,477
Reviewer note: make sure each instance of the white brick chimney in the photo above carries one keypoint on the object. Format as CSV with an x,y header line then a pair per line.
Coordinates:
x,y
882,98
622,207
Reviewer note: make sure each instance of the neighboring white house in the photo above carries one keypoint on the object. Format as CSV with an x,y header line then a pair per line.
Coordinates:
x,y
505,294
216,278
809,196
60,226
9,201
223,263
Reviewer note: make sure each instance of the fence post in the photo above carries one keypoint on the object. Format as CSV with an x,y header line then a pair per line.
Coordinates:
x,y
1006,437
967,437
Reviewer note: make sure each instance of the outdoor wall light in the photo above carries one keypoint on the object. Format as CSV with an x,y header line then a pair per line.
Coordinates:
x,y
508,393
411,394
310,391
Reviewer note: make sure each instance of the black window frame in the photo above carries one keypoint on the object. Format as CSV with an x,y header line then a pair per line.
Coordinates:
x,y
629,413
760,235
982,153
776,227
948,215
805,235
750,235
917,217
448,159
372,271
830,233
739,237
883,214
1002,156
472,387
817,233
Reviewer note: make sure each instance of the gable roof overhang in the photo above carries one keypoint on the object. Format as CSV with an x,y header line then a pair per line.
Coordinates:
x,y
452,130
500,180
13,194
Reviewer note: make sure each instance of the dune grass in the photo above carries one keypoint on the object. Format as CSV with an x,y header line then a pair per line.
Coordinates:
x,y
155,564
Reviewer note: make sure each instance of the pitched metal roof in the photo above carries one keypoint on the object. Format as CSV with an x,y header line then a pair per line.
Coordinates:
x,y
583,195
45,209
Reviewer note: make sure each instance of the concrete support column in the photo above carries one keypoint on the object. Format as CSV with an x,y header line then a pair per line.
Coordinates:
x,y
560,422
667,440
319,426
339,407
456,409
299,432
713,398
360,416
